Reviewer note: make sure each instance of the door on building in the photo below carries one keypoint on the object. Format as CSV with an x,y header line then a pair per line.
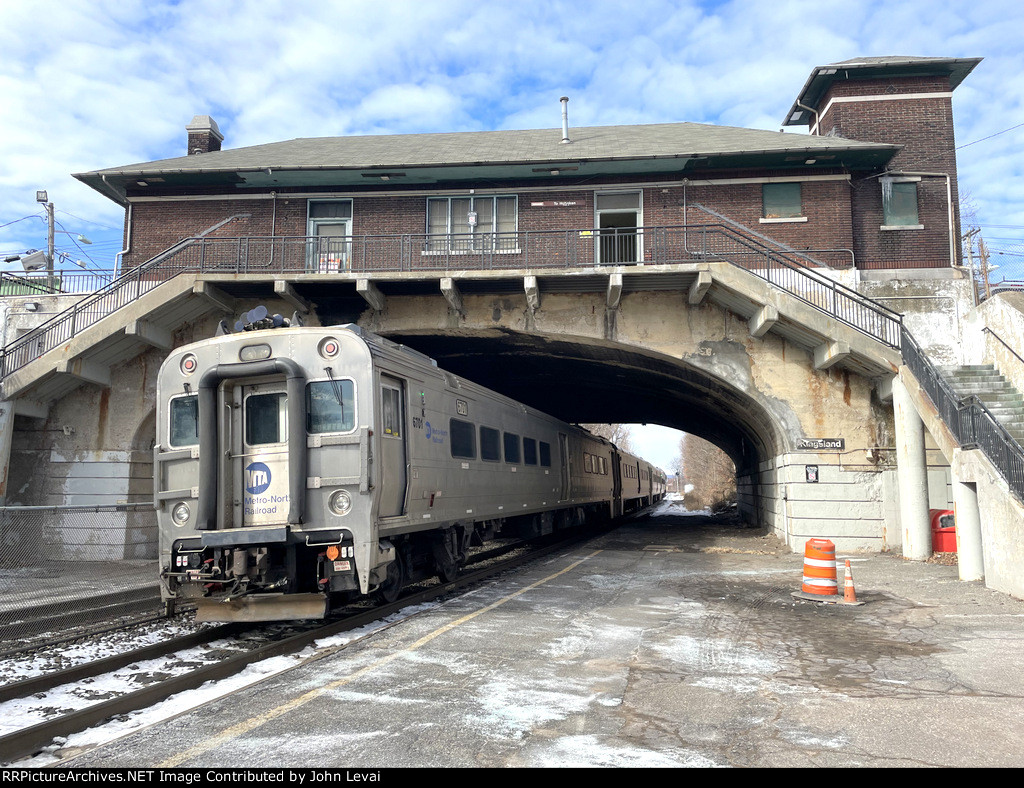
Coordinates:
x,y
330,236
393,461
619,221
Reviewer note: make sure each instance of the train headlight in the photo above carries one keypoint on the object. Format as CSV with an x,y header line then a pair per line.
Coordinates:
x,y
180,513
340,502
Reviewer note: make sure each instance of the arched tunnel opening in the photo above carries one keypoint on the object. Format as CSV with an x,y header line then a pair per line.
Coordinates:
x,y
583,380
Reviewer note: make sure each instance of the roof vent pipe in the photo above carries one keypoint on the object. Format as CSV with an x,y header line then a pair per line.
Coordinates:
x,y
565,119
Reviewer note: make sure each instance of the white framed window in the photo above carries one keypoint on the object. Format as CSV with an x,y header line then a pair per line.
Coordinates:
x,y
472,224
329,226
899,203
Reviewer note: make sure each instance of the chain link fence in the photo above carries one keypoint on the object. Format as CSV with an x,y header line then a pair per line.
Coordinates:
x,y
67,567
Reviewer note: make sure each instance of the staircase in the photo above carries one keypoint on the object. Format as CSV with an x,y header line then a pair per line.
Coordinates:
x,y
997,394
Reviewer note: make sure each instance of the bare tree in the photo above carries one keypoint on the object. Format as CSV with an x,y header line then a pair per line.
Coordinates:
x,y
616,433
708,473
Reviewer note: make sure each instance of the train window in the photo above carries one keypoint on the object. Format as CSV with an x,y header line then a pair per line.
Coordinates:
x,y
529,451
391,412
463,439
330,406
588,463
266,418
184,421
511,447
545,454
490,444
600,465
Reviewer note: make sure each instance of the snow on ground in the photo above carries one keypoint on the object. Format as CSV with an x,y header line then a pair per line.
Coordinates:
x,y
70,698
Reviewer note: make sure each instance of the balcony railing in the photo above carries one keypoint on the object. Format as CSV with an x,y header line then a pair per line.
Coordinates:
x,y
529,251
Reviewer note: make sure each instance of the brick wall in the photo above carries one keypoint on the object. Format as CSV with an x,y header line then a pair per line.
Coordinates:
x,y
924,127
826,205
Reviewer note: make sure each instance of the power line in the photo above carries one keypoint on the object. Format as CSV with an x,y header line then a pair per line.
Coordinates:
x,y
990,136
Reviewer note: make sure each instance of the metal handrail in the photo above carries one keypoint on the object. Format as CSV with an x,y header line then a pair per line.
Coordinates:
x,y
469,251
968,418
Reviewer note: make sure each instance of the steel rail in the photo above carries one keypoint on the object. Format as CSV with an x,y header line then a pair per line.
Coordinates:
x,y
29,741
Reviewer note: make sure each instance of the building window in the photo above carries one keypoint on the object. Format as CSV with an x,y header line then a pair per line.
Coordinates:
x,y
781,201
472,224
899,203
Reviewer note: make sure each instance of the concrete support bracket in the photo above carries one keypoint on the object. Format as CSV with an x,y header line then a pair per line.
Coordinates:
x,y
150,333
31,408
85,370
285,291
217,297
829,354
700,287
452,294
763,320
532,292
371,294
614,294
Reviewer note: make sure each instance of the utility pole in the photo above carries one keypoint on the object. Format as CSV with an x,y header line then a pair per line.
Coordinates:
x,y
41,197
969,240
49,246
983,253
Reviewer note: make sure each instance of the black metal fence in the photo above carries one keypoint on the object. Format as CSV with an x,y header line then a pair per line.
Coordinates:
x,y
970,421
64,567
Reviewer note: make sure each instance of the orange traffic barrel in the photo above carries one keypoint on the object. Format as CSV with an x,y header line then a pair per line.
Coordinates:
x,y
820,568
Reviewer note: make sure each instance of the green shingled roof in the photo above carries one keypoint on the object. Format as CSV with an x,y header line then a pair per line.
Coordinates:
x,y
423,158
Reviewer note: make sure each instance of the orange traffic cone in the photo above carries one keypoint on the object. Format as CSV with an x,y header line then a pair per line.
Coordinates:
x,y
849,592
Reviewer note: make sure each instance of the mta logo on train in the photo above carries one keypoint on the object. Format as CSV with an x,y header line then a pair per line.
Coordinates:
x,y
257,478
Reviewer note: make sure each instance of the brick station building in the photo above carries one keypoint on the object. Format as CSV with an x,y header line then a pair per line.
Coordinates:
x,y
872,186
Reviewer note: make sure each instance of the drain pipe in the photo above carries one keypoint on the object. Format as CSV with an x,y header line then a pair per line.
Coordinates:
x,y
813,111
127,238
565,119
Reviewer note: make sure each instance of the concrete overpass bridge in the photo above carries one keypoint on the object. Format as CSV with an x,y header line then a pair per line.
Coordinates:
x,y
749,346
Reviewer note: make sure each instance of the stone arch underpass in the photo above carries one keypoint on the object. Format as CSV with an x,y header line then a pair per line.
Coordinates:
x,y
696,368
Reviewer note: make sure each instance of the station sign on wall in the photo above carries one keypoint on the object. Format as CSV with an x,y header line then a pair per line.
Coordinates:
x,y
821,444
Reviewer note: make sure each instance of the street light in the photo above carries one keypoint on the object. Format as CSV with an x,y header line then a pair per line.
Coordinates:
x,y
41,197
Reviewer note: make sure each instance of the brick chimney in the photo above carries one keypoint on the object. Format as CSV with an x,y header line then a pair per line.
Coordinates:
x,y
203,135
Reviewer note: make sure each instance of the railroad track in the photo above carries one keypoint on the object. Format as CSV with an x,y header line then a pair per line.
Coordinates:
x,y
31,740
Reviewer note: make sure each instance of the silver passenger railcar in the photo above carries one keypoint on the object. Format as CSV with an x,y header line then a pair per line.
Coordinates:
x,y
300,466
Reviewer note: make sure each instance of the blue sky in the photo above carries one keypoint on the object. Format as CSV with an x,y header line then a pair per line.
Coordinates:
x,y
88,84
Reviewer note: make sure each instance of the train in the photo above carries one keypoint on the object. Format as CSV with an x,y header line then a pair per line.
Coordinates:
x,y
297,468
